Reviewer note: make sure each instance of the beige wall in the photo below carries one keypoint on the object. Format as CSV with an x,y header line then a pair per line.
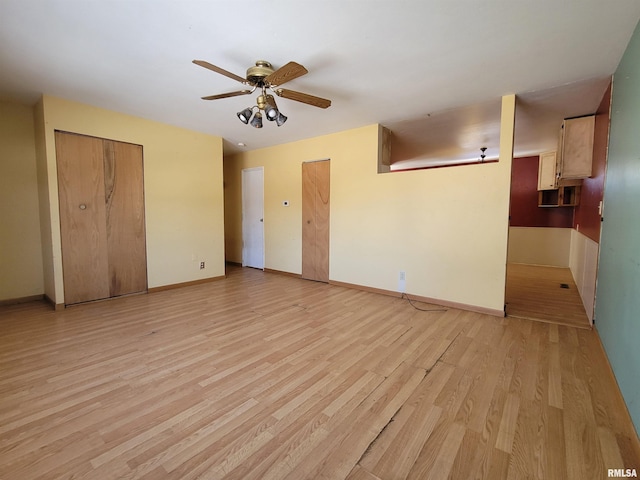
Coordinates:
x,y
446,227
540,246
20,247
182,184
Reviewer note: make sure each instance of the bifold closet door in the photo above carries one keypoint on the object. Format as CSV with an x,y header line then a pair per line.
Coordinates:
x,y
83,225
315,220
124,201
101,195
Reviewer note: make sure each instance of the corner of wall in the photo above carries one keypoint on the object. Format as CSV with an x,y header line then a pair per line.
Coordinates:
x,y
44,199
384,149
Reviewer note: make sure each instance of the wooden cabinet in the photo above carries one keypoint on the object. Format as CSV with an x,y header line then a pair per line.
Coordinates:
x,y
573,158
565,196
101,195
575,152
554,191
560,173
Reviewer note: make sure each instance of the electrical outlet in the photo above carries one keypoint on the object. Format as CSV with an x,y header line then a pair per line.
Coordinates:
x,y
402,279
201,265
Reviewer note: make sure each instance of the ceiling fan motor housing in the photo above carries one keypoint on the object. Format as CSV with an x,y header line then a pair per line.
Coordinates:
x,y
256,75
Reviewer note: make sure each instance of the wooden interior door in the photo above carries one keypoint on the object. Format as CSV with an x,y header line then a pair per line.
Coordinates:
x,y
124,200
85,263
315,220
102,223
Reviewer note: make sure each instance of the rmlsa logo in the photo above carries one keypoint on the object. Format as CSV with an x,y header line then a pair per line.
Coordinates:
x,y
622,473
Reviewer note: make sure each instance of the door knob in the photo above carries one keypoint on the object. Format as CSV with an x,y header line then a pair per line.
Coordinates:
x,y
83,206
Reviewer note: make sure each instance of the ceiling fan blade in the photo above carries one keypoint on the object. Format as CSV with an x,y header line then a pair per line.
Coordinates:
x,y
227,95
286,73
221,71
303,97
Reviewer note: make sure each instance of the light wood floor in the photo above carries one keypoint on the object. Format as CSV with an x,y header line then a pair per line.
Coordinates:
x,y
533,292
265,376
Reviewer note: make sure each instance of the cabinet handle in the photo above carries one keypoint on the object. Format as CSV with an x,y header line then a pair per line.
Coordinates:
x,y
83,206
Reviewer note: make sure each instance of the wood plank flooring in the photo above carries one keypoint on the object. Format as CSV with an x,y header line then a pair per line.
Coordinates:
x,y
266,376
533,292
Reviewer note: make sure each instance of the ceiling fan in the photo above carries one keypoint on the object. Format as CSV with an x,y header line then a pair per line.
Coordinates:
x,y
262,76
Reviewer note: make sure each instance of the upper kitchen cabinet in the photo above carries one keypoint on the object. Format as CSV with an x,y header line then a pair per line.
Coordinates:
x,y
575,147
547,168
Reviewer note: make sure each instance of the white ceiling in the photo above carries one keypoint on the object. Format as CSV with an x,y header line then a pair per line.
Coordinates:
x,y
404,64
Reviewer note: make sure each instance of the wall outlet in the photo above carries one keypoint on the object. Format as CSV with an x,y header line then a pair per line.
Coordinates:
x,y
201,265
402,278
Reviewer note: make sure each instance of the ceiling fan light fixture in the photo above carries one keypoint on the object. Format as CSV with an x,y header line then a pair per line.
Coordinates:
x,y
482,155
270,108
256,121
280,119
245,115
271,113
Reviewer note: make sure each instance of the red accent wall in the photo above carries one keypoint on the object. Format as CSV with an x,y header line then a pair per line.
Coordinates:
x,y
524,210
587,218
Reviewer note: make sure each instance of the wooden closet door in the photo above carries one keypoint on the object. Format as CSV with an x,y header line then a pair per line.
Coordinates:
x,y
102,224
82,217
125,226
315,220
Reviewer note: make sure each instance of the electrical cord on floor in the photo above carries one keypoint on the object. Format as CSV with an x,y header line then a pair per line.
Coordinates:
x,y
404,295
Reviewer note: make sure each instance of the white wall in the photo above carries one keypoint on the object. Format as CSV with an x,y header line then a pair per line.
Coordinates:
x,y
584,268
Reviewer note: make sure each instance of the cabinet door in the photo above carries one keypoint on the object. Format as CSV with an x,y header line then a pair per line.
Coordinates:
x,y
547,171
577,147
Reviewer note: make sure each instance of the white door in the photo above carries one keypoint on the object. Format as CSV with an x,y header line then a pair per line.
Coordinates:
x,y
253,217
